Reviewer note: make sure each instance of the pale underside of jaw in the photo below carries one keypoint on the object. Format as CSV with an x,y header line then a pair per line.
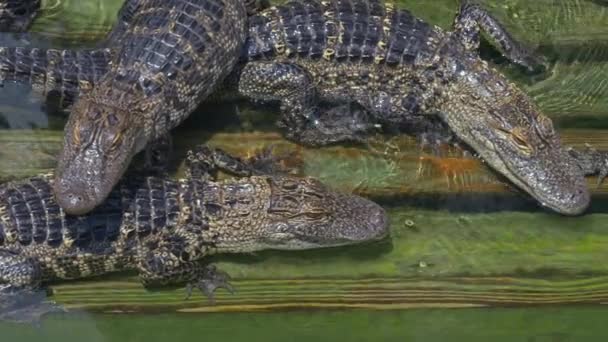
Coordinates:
x,y
540,198
493,160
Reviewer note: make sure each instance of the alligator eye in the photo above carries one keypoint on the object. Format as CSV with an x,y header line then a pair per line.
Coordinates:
x,y
520,141
116,141
498,125
544,126
76,134
312,215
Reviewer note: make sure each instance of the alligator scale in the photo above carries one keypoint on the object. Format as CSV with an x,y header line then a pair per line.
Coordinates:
x,y
340,68
170,54
162,227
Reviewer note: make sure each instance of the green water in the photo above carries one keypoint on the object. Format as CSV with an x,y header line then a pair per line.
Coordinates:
x,y
464,249
425,325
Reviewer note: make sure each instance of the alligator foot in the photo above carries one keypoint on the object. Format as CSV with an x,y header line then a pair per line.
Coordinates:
x,y
266,162
158,155
301,117
344,123
211,279
472,18
203,161
591,161
26,306
256,6
161,266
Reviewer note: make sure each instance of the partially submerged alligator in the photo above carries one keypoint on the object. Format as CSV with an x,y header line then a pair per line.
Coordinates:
x,y
169,56
162,228
402,70
396,69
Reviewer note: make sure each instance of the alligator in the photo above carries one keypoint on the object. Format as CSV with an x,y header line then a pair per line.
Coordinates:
x,y
169,57
163,228
16,15
339,68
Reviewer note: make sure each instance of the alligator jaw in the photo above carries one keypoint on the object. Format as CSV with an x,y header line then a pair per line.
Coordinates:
x,y
84,180
570,200
100,141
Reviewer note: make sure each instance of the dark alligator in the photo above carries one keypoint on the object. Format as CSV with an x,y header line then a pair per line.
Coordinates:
x,y
16,15
162,228
370,64
402,70
170,54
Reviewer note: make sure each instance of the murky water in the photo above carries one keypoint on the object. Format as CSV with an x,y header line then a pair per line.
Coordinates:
x,y
468,258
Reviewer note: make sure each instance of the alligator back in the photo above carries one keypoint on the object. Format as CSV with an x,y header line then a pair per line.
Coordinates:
x,y
106,239
169,55
343,30
178,48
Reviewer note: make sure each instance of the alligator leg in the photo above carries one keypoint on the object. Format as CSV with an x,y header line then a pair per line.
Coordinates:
x,y
255,6
592,162
211,280
301,116
17,272
158,155
16,15
472,18
203,162
160,267
21,299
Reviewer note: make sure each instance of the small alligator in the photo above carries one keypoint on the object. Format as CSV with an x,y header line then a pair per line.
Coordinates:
x,y
170,55
401,70
397,71
162,228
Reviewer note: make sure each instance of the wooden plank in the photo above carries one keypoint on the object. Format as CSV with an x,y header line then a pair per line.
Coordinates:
x,y
434,258
459,238
390,168
324,293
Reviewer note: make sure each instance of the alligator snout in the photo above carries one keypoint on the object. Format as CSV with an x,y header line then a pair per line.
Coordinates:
x,y
379,223
575,202
556,181
73,197
364,220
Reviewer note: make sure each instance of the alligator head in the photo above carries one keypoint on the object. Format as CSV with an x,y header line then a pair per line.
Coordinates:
x,y
302,213
101,138
502,125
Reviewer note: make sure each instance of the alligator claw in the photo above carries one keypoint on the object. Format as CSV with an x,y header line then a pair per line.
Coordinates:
x,y
266,162
211,280
591,161
534,63
601,176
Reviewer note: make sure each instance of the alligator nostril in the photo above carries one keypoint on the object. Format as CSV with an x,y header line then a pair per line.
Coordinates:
x,y
74,198
379,221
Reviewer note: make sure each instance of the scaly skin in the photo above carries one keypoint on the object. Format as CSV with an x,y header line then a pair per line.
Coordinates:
x,y
401,70
16,15
169,57
163,228
401,73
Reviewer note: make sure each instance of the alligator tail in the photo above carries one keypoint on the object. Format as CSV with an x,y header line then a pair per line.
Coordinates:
x,y
66,73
